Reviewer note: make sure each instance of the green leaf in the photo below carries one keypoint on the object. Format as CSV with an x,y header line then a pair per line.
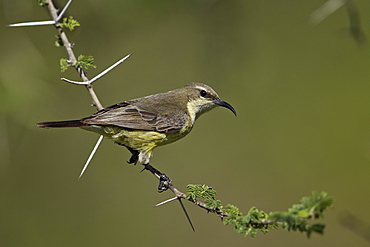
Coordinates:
x,y
232,210
41,3
64,64
69,23
303,213
85,62
214,204
58,42
298,216
200,191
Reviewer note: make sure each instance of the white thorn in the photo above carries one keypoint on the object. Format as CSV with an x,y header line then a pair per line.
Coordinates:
x,y
164,202
76,82
110,68
63,10
32,23
91,156
99,75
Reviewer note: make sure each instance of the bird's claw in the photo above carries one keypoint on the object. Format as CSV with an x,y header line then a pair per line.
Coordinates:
x,y
164,183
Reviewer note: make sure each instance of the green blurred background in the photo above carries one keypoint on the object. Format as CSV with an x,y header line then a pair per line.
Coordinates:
x,y
301,93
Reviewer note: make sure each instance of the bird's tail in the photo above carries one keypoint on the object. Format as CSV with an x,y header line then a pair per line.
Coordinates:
x,y
61,124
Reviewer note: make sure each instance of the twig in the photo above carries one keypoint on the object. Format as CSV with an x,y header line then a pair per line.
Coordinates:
x,y
325,10
180,195
72,58
330,6
355,28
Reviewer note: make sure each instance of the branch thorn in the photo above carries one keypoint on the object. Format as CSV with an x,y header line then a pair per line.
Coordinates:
x,y
63,10
99,75
91,156
166,201
186,213
32,23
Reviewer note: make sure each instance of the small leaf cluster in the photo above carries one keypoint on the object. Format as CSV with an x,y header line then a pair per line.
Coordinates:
x,y
70,23
255,220
311,207
248,224
205,192
64,64
58,42
41,3
84,62
295,219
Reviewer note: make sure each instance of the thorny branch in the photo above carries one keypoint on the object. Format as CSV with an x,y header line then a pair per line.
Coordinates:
x,y
72,58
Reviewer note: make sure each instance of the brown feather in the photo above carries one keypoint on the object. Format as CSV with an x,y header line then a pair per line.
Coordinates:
x,y
61,124
147,113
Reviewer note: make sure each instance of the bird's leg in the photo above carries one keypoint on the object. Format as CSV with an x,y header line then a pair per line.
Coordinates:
x,y
134,157
164,181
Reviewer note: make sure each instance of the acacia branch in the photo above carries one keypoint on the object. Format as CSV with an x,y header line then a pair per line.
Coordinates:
x,y
198,203
72,58
180,195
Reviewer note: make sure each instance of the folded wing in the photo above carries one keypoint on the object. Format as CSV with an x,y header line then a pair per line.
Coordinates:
x,y
136,117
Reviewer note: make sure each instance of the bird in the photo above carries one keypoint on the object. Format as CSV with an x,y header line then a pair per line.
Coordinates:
x,y
145,123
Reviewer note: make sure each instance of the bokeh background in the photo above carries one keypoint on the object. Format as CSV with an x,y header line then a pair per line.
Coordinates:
x,y
301,92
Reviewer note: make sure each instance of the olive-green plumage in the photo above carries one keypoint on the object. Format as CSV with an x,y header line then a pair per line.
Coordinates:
x,y
145,123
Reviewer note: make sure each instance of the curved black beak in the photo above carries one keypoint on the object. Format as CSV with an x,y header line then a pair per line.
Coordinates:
x,y
224,104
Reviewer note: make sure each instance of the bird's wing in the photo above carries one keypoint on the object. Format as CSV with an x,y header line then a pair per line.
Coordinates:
x,y
135,117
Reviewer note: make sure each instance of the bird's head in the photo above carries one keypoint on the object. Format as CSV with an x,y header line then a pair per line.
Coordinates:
x,y
202,98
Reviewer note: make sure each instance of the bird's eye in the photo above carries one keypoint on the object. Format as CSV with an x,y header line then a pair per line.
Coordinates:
x,y
203,93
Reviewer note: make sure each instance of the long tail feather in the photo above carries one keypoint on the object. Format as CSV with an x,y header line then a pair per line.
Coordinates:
x,y
61,124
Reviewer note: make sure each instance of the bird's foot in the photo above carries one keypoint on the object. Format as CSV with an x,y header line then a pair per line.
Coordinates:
x,y
164,181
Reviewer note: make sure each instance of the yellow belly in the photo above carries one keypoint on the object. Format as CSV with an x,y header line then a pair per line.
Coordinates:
x,y
142,141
